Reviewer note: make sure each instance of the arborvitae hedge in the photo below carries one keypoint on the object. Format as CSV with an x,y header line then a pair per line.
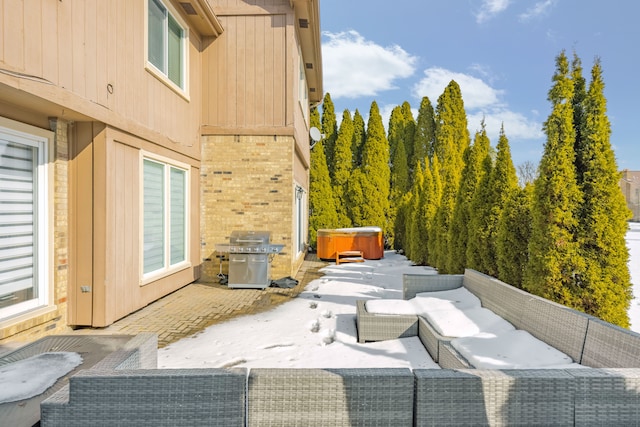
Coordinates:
x,y
342,168
322,208
555,262
471,174
605,282
512,238
329,128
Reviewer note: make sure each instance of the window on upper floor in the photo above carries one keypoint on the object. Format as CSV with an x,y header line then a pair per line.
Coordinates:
x,y
166,44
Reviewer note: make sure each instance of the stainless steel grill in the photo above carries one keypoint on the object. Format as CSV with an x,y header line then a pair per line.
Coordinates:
x,y
250,255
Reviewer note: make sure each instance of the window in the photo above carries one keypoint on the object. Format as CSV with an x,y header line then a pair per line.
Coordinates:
x,y
302,88
23,222
166,43
165,217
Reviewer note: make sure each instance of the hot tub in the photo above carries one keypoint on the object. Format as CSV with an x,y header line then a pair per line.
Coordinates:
x,y
368,240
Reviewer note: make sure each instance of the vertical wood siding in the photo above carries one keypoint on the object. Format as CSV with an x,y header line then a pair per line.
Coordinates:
x,y
246,82
82,46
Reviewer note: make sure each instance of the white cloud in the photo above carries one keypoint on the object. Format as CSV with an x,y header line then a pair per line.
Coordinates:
x,y
538,9
475,92
481,100
491,8
355,67
516,125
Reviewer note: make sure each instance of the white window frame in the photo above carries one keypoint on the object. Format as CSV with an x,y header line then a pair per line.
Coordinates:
x,y
167,267
42,224
163,75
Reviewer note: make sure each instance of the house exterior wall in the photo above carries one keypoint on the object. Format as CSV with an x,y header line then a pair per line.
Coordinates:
x,y
77,71
78,68
255,140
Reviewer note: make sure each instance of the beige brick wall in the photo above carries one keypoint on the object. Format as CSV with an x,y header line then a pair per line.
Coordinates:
x,y
247,184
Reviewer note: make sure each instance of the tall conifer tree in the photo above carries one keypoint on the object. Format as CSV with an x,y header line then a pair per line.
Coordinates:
x,y
451,142
342,168
502,185
399,126
435,196
479,217
329,129
359,135
555,262
606,283
322,208
512,238
459,233
424,136
375,170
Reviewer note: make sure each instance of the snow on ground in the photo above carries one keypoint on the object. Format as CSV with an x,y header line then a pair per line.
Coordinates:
x,y
317,329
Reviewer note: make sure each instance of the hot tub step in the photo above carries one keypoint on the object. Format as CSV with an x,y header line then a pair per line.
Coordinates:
x,y
349,256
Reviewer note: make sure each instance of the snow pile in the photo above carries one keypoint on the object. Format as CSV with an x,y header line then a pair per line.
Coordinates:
x,y
33,376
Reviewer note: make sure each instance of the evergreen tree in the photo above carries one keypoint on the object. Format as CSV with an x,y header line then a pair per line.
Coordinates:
x,y
375,169
342,167
479,217
415,249
322,208
435,190
606,283
502,185
424,136
409,129
459,233
555,263
398,125
579,95
329,129
512,238
451,142
359,135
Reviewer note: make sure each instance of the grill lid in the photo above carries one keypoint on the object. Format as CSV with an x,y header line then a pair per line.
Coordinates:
x,y
250,237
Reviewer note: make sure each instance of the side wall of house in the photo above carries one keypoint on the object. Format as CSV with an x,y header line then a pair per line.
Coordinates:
x,y
255,143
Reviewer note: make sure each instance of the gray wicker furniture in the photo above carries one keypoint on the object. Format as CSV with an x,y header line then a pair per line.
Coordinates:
x,y
150,397
498,398
118,391
330,397
375,327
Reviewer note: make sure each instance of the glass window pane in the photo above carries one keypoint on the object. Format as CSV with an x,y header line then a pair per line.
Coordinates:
x,y
18,166
153,216
175,52
157,14
178,217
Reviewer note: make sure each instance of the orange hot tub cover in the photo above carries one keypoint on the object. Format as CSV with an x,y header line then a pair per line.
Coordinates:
x,y
368,240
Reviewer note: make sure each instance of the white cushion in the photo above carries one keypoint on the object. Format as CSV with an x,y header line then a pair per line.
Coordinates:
x,y
515,349
439,300
390,306
464,323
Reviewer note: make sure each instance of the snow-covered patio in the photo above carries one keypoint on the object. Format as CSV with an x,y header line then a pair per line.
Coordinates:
x,y
318,330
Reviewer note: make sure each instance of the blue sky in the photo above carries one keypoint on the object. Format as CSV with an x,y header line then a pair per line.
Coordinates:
x,y
501,53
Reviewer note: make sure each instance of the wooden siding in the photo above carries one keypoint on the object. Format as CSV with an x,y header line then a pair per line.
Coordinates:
x,y
93,54
246,73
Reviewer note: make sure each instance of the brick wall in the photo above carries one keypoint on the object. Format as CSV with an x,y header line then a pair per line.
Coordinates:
x,y
247,184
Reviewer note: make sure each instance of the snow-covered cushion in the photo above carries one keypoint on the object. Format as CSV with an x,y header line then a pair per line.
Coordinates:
x,y
464,323
390,306
515,349
439,300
